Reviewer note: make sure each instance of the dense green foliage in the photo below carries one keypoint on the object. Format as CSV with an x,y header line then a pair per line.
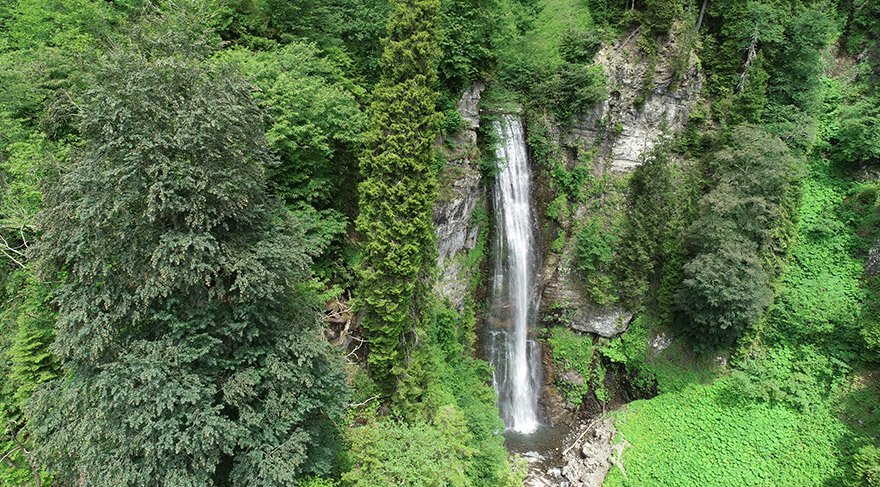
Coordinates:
x,y
163,318
454,439
652,211
804,369
703,436
744,226
316,126
577,370
397,195
203,254
392,454
786,392
182,184
551,65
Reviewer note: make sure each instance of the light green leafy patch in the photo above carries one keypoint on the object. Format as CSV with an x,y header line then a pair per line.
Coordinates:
x,y
700,437
573,363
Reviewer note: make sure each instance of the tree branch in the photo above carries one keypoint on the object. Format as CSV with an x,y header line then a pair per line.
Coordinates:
x,y
363,403
27,455
752,52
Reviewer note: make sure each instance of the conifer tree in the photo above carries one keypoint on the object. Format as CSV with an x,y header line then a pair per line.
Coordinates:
x,y
398,192
650,216
191,352
745,226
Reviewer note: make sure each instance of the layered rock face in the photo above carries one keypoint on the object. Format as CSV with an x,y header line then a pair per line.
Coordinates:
x,y
649,101
461,193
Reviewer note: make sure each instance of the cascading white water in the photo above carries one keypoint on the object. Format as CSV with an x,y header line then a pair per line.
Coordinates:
x,y
515,355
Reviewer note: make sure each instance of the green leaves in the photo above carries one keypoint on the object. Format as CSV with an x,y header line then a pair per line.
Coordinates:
x,y
315,128
191,349
398,192
660,14
577,370
856,140
387,454
652,217
746,224
698,437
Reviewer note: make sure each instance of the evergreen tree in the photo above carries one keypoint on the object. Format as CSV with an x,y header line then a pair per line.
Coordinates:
x,y
797,64
660,14
737,243
650,214
398,192
191,351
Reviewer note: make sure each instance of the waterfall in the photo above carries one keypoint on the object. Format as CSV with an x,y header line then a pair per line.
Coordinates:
x,y
515,356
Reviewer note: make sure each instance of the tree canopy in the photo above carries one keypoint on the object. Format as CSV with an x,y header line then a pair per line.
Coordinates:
x,y
190,349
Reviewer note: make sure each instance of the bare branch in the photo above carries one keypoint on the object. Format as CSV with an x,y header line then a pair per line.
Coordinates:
x,y
702,11
363,403
11,252
10,247
24,241
6,457
14,431
752,52
583,433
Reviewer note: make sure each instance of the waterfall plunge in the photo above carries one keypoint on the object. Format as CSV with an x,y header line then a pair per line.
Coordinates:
x,y
514,301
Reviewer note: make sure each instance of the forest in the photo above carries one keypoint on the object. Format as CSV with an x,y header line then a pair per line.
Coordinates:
x,y
332,243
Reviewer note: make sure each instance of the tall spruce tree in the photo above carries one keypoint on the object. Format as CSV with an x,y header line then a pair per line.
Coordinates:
x,y
191,351
650,215
398,192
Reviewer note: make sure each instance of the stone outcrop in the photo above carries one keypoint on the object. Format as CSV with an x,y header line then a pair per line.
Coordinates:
x,y
461,193
564,290
647,102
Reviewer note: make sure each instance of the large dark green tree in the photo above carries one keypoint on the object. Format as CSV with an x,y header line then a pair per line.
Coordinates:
x,y
191,352
745,225
398,192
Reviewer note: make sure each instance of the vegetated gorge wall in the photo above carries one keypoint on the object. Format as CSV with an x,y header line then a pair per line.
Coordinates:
x,y
649,101
461,194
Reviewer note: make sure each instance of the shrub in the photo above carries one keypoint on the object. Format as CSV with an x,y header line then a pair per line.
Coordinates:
x,y
387,453
725,290
866,463
573,356
579,46
857,140
576,88
658,15
595,254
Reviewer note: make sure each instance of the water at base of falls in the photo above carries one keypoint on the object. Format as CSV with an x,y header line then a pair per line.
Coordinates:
x,y
513,352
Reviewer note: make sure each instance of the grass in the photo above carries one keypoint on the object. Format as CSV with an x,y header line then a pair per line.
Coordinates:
x,y
557,17
541,42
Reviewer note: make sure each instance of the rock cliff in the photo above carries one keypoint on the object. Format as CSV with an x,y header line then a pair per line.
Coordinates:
x,y
650,99
461,193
